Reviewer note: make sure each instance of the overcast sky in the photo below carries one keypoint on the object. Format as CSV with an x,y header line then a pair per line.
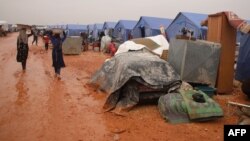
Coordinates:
x,y
98,11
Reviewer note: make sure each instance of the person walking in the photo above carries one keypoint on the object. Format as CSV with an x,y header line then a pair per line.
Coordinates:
x,y
35,36
46,41
22,47
57,55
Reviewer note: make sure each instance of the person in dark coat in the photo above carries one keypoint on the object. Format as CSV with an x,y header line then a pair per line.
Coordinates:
x,y
35,36
57,54
22,47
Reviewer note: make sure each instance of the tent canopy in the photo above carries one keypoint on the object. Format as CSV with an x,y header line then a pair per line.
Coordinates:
x,y
96,30
151,26
123,28
3,22
109,25
153,22
90,27
62,26
98,26
189,20
126,24
243,64
76,26
76,29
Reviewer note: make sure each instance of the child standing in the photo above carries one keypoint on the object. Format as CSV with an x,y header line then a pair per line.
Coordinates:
x,y
46,42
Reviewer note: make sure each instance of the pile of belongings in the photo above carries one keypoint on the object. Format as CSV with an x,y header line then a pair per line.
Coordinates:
x,y
188,105
134,73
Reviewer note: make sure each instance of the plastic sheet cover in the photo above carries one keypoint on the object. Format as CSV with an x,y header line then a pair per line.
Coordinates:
x,y
142,66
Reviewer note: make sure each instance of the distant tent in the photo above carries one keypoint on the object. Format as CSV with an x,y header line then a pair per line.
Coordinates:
x,y
76,29
109,27
243,63
90,28
96,30
62,26
150,26
189,20
123,29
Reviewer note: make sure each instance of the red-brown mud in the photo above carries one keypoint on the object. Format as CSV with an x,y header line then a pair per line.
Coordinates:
x,y
34,106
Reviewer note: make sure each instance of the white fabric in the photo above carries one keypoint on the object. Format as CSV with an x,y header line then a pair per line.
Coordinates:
x,y
104,42
130,45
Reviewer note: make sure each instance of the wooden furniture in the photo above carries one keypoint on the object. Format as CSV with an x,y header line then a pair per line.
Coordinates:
x,y
220,31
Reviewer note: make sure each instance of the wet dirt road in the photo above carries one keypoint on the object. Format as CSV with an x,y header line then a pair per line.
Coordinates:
x,y
34,106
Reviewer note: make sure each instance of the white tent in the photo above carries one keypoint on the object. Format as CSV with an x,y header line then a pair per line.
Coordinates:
x,y
4,25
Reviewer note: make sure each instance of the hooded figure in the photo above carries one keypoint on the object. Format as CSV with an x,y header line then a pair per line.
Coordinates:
x,y
22,47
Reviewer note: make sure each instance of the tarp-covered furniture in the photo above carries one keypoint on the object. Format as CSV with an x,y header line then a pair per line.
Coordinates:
x,y
150,26
72,45
122,75
123,29
189,20
195,61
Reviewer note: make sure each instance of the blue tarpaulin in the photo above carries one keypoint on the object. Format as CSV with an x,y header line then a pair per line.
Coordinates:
x,y
76,29
123,28
150,25
243,63
189,20
90,28
109,25
240,34
108,28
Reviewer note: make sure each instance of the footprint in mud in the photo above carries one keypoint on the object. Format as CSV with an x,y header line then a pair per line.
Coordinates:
x,y
67,95
47,73
18,74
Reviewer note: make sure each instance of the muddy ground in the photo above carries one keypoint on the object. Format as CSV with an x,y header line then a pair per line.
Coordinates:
x,y
34,106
